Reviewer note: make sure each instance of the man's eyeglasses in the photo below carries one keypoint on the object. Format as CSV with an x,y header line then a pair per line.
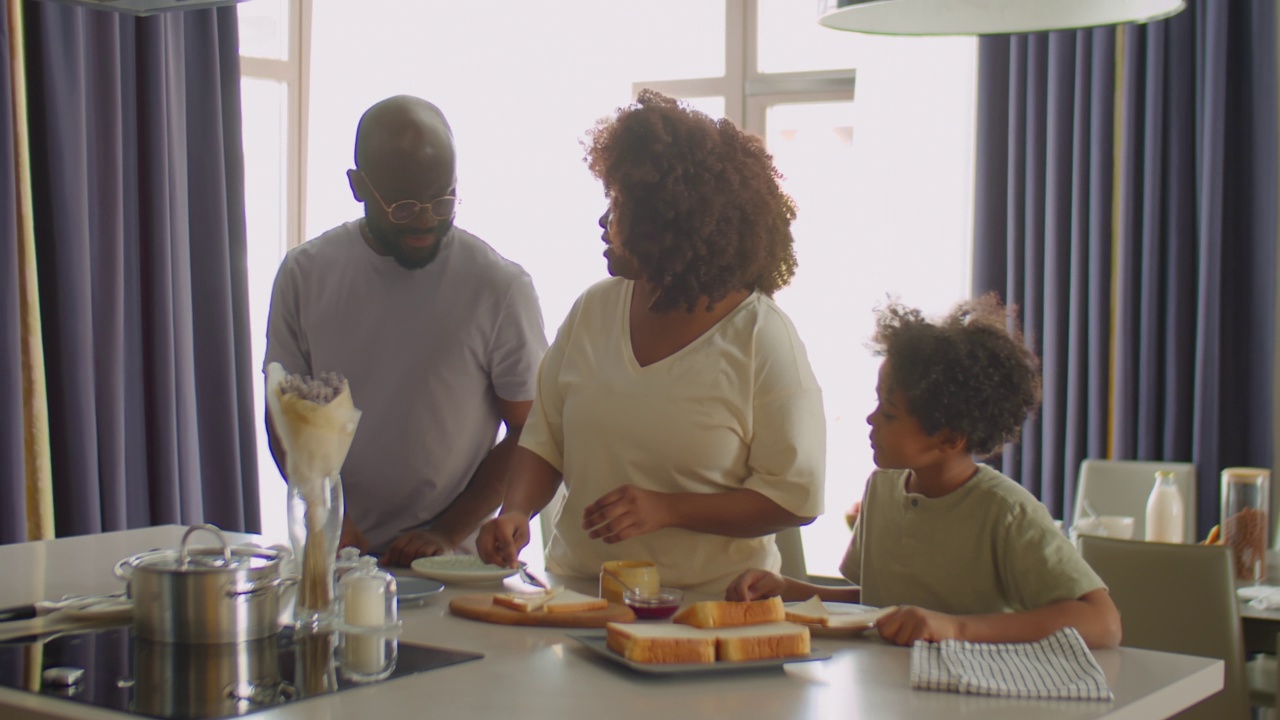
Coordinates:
x,y
405,211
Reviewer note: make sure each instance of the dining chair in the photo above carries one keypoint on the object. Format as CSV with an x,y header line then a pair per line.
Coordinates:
x,y
1121,487
1152,584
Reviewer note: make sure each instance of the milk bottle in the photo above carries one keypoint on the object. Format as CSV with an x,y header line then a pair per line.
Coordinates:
x,y
1165,522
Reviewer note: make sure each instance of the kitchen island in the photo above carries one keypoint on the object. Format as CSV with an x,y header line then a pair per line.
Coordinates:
x,y
531,672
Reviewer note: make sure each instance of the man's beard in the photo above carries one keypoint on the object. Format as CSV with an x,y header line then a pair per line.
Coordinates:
x,y
407,257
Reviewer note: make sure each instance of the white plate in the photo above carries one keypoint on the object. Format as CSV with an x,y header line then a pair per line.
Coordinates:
x,y
837,609
597,643
460,569
410,589
1253,592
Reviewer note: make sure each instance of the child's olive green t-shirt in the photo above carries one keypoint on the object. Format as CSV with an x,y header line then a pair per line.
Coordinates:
x,y
989,546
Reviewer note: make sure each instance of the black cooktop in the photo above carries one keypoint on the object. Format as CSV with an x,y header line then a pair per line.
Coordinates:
x,y
194,682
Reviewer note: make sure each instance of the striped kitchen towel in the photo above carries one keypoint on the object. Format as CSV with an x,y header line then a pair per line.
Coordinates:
x,y
1057,667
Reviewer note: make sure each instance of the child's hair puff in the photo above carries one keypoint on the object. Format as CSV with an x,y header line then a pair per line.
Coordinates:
x,y
969,373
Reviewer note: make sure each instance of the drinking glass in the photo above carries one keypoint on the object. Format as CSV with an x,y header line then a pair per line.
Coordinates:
x,y
1244,520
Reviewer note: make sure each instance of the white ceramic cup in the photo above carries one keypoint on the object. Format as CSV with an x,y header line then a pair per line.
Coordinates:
x,y
1112,526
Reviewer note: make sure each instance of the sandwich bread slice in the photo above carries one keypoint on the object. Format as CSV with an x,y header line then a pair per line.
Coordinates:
x,y
572,601
762,642
728,613
525,602
685,644
809,612
866,620
665,643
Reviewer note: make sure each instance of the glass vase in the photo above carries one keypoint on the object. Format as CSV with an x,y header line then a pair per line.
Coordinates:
x,y
314,669
315,526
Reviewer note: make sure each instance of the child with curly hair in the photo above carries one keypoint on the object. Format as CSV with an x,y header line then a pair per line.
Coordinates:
x,y
961,550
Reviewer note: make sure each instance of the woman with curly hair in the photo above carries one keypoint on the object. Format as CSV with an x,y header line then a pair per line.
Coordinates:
x,y
677,404
962,551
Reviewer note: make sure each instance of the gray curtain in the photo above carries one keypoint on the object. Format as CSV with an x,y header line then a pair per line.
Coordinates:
x,y
1042,234
139,193
13,498
1196,256
1194,252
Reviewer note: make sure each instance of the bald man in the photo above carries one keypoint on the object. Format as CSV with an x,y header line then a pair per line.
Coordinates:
x,y
439,336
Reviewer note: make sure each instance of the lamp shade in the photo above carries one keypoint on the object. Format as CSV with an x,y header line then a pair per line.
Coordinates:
x,y
987,17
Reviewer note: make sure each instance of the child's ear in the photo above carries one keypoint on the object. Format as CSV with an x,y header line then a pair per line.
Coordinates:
x,y
952,441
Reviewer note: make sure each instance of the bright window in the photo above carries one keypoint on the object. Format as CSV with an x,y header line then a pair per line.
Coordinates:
x,y
270,92
881,168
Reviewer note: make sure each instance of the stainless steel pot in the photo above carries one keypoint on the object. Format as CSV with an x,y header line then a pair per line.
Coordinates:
x,y
205,594
224,680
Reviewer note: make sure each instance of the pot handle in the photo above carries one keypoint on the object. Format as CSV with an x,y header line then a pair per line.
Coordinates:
x,y
184,556
260,586
123,569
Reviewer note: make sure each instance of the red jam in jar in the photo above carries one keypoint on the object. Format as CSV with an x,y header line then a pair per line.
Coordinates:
x,y
656,607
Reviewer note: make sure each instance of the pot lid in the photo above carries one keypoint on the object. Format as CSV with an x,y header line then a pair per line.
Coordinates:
x,y
206,559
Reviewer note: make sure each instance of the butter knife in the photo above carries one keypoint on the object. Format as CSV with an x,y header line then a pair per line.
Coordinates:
x,y
530,578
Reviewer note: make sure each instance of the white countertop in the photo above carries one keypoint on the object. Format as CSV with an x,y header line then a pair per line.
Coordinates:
x,y
540,673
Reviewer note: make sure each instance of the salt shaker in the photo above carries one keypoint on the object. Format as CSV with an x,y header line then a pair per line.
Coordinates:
x,y
348,560
369,622
1244,520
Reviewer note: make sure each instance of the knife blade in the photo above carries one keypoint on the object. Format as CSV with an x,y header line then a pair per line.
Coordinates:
x,y
41,608
530,578
18,612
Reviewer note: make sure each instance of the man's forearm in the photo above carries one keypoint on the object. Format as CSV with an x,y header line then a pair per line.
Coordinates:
x,y
482,495
275,446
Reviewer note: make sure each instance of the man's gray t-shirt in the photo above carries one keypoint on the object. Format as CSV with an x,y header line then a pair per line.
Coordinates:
x,y
426,354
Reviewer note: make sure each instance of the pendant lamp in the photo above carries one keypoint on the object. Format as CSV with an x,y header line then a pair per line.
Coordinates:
x,y
987,17
147,7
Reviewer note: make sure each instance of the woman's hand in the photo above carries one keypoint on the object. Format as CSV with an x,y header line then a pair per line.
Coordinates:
x,y
754,585
908,624
501,539
625,513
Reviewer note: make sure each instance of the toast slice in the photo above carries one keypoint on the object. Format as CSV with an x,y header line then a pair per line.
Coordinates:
x,y
663,643
762,642
527,602
686,644
810,612
865,620
570,601
728,613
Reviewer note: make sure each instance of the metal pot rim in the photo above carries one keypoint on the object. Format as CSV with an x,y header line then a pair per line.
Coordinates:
x,y
219,559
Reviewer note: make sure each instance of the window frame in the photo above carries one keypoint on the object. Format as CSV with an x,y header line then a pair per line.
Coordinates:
x,y
748,93
295,72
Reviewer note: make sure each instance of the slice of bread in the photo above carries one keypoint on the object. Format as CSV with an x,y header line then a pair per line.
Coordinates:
x,y
762,642
526,602
860,619
571,601
727,613
663,643
684,644
810,612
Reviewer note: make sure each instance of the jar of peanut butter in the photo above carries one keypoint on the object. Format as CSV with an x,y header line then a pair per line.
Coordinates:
x,y
640,575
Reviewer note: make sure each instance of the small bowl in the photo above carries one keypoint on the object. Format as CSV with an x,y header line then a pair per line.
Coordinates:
x,y
654,606
1112,526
